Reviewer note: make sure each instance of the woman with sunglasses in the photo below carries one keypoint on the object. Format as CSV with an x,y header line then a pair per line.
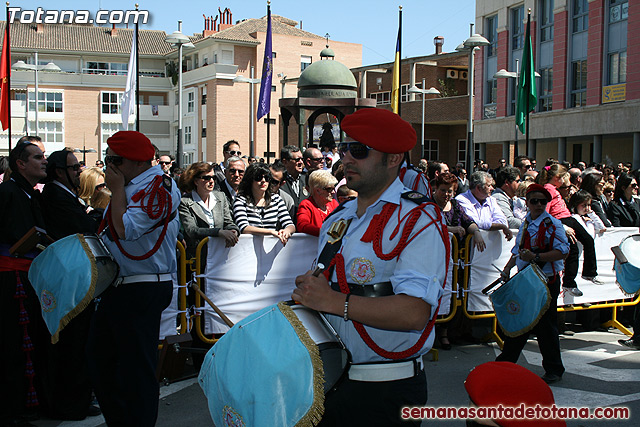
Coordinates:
x,y
623,210
593,183
257,210
320,203
552,177
204,212
91,182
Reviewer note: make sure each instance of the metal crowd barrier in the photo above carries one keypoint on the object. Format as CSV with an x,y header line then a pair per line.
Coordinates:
x,y
461,258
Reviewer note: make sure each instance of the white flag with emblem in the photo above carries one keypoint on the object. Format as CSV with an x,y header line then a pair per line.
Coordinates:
x,y
129,97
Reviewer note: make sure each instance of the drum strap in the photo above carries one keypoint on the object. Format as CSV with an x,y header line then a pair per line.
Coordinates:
x,y
541,235
374,233
158,202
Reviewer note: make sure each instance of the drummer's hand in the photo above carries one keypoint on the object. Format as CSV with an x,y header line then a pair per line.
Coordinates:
x,y
315,292
526,255
114,178
230,237
479,241
571,234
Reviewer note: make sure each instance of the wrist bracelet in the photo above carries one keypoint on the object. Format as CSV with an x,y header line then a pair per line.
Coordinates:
x,y
345,316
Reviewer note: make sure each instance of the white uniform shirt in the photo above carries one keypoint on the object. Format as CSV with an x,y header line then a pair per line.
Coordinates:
x,y
419,271
138,240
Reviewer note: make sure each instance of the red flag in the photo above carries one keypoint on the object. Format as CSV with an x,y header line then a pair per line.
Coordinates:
x,y
5,72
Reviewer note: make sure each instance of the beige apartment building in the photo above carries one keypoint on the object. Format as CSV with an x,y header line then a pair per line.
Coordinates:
x,y
79,107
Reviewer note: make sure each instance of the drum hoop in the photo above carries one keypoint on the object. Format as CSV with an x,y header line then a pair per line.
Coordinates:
x,y
316,411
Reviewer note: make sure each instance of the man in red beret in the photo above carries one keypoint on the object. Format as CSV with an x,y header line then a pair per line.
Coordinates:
x,y
140,229
541,240
381,255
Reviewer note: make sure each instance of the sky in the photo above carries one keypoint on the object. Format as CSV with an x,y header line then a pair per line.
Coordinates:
x,y
372,23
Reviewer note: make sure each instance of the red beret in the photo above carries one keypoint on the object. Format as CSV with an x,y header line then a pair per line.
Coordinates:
x,y
380,129
510,385
537,188
131,145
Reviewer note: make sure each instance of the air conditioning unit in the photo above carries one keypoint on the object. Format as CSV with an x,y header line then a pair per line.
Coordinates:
x,y
452,74
464,75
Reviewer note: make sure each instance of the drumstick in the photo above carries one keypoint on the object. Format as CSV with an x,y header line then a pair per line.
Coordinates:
x,y
497,268
226,320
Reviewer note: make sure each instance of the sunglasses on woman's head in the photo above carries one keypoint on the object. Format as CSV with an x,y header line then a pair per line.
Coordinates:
x,y
357,150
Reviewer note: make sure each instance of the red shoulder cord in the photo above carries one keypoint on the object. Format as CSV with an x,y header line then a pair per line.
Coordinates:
x,y
158,200
540,237
374,233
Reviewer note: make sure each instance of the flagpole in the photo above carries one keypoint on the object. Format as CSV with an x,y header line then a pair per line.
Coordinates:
x,y
137,77
264,102
400,60
8,62
528,87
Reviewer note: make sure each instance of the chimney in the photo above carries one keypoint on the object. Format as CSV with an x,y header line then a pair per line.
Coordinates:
x,y
225,19
40,28
114,31
438,41
210,25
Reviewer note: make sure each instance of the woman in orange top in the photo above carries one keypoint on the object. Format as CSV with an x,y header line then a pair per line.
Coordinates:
x,y
320,203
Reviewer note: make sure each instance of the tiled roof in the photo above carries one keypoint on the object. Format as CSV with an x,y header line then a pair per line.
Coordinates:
x,y
279,25
85,38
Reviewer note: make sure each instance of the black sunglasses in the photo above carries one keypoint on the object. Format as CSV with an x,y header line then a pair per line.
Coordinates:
x,y
207,177
357,150
116,160
542,202
75,167
235,153
261,176
274,181
164,163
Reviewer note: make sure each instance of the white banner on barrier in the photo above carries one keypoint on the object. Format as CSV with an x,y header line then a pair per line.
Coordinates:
x,y
498,252
254,274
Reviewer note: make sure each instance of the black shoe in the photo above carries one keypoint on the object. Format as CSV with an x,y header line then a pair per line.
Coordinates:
x,y
94,411
444,343
630,343
551,378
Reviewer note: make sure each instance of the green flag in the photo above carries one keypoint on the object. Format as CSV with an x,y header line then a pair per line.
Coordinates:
x,y
527,94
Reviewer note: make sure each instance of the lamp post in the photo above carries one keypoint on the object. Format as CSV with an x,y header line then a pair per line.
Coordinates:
x,y
473,42
84,152
423,91
178,39
252,81
50,67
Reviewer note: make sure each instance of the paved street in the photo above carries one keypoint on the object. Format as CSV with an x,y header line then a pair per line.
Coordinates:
x,y
600,372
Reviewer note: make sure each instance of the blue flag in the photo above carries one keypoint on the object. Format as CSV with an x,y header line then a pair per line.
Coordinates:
x,y
264,103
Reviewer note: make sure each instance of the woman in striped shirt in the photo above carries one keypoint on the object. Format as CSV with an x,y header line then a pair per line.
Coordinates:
x,y
257,210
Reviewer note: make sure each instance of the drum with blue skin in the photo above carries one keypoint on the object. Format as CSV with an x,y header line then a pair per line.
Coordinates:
x,y
520,302
67,275
627,264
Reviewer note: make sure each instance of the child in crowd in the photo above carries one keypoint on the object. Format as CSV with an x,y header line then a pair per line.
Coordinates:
x,y
580,206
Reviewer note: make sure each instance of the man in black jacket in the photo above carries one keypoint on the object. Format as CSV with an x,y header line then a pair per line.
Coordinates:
x,y
21,368
68,384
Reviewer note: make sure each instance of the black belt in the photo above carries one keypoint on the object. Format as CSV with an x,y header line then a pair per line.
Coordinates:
x,y
374,290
